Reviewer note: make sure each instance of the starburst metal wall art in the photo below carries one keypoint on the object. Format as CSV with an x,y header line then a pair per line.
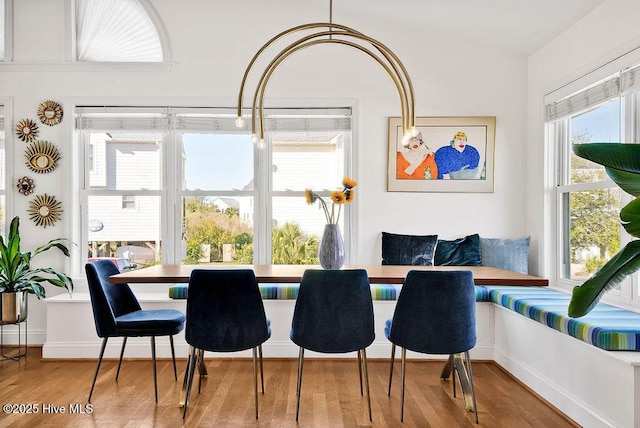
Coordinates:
x,y
42,156
44,210
27,130
50,113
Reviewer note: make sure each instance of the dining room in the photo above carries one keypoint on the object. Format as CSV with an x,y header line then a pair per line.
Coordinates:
x,y
158,137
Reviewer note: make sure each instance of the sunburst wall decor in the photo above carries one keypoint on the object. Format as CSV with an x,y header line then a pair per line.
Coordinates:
x,y
27,130
42,156
44,210
50,113
25,185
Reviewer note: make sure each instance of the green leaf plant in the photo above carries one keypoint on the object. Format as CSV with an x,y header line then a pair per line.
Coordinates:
x,y
622,164
16,274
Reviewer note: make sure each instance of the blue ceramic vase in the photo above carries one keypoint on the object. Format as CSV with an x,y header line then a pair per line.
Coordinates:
x,y
331,250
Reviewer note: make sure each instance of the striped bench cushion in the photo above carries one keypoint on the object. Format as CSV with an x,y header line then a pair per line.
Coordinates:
x,y
278,291
606,326
482,294
178,291
290,292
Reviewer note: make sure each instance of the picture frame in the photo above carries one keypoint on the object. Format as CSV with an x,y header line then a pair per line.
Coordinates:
x,y
448,154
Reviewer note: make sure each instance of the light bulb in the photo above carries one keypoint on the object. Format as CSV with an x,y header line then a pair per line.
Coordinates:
x,y
254,138
239,122
413,131
261,144
405,139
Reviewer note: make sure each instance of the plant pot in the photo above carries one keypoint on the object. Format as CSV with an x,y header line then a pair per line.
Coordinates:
x,y
13,307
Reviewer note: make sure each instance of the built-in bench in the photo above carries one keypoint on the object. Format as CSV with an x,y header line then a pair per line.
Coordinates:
x,y
605,326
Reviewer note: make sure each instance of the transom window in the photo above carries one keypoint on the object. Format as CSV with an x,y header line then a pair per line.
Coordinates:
x,y
178,185
116,31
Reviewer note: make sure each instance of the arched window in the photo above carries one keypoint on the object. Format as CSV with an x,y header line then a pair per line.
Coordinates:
x,y
117,31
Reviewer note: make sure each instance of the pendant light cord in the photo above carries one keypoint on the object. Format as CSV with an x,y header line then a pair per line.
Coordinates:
x,y
330,16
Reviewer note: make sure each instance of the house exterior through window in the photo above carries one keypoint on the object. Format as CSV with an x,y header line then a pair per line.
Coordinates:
x,y
179,185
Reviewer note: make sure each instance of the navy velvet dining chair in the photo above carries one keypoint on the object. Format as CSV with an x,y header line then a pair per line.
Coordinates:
x,y
117,313
334,314
225,313
435,314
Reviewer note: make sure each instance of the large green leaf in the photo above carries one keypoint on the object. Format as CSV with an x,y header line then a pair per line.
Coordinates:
x,y
15,270
628,181
621,156
54,243
624,263
630,217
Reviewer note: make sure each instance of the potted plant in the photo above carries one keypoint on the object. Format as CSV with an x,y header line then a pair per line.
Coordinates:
x,y
18,279
622,164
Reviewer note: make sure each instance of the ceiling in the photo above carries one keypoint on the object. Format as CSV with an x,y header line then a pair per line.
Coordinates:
x,y
519,26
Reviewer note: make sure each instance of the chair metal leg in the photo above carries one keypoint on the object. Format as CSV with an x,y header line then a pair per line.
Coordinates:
x,y
153,357
124,343
366,380
95,376
188,379
473,392
299,389
465,383
455,375
404,359
360,370
173,355
200,362
261,367
255,379
393,356
185,380
446,369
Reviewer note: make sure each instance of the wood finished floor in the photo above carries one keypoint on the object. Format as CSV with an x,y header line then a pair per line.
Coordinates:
x,y
330,395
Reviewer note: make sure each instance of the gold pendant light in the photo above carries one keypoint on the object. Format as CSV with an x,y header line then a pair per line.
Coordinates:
x,y
327,33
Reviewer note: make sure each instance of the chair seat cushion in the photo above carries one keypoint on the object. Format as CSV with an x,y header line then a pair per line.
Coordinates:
x,y
150,322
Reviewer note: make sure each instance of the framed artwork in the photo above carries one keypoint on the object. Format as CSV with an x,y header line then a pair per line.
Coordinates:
x,y
448,154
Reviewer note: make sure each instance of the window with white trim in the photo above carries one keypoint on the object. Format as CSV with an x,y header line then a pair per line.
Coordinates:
x,y
204,192
587,201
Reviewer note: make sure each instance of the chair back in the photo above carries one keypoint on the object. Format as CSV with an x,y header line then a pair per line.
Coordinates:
x,y
435,312
333,311
108,301
225,312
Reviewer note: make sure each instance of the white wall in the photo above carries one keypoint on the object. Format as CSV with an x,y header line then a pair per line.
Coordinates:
x,y
211,43
605,41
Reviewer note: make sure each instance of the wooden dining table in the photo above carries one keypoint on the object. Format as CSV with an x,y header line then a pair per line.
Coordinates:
x,y
378,274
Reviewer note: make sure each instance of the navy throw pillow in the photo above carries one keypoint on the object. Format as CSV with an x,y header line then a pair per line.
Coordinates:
x,y
408,250
459,252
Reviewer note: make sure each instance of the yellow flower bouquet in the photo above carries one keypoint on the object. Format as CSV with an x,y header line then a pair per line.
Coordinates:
x,y
338,197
